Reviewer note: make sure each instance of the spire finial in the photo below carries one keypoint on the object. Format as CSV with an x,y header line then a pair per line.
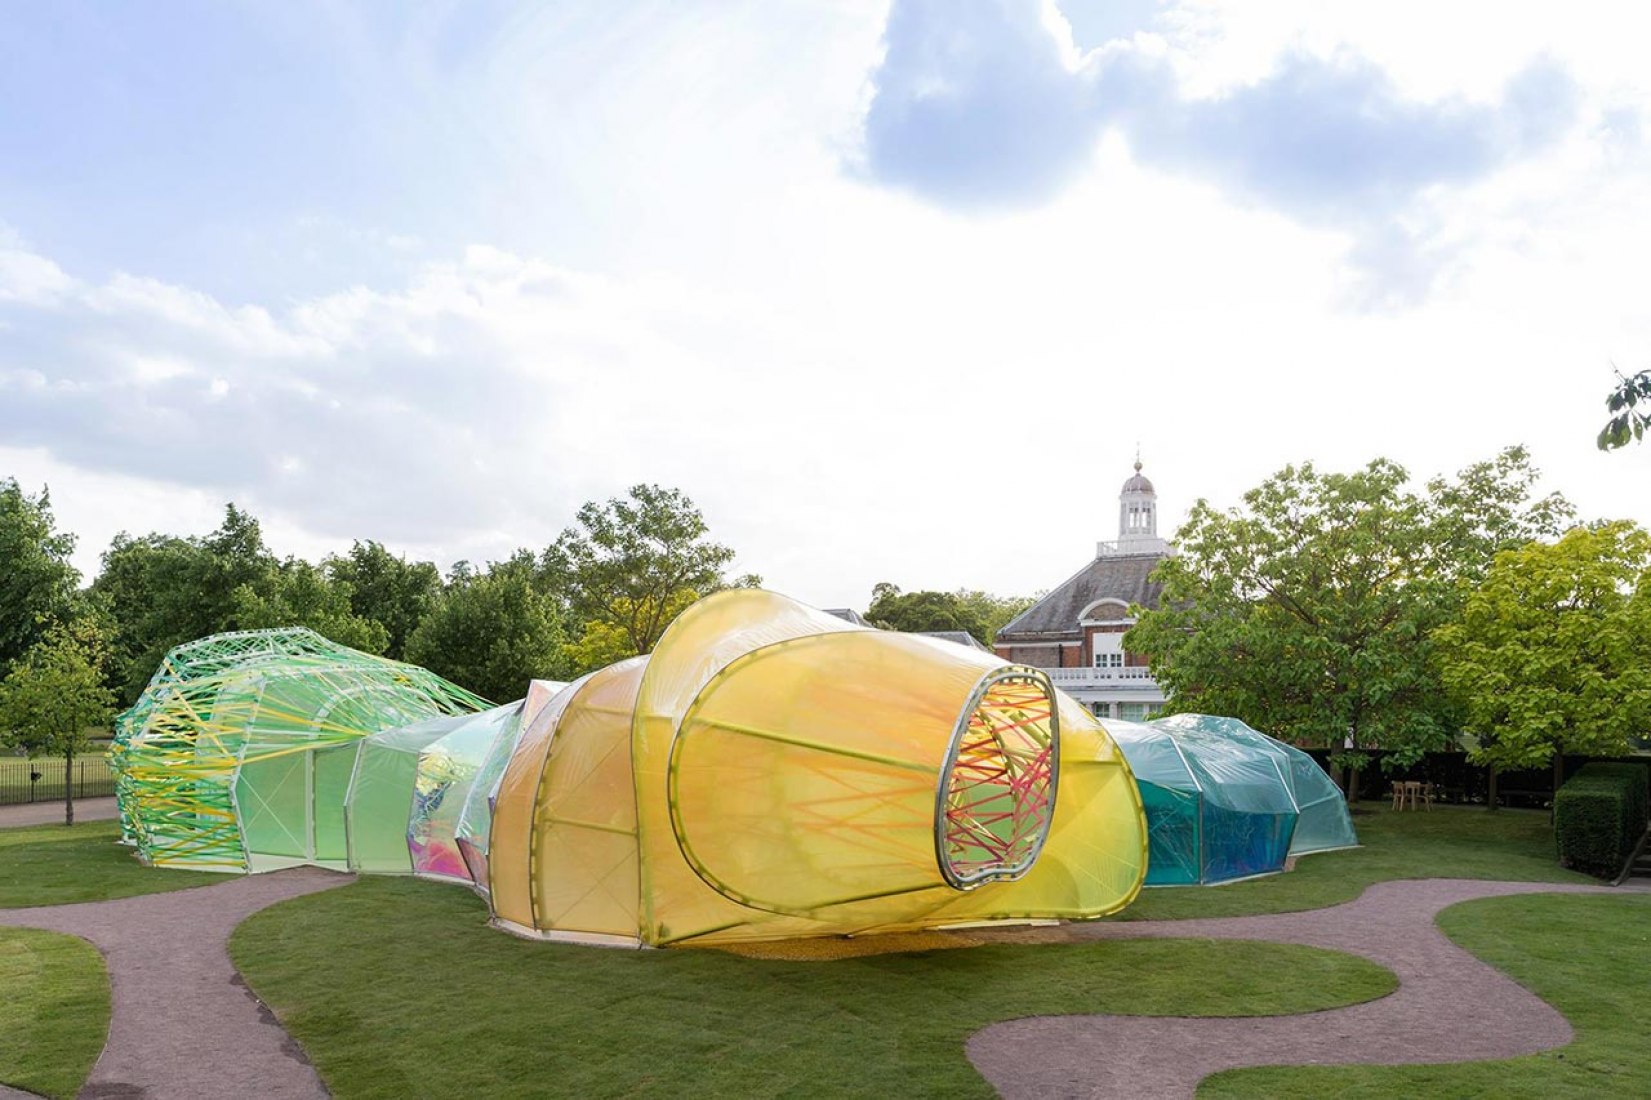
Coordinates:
x,y
1137,458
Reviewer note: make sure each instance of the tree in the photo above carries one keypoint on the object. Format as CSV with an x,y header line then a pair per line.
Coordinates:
x,y
913,612
492,633
994,612
300,594
388,590
1310,611
624,563
161,590
37,583
601,642
1552,654
55,694
1630,408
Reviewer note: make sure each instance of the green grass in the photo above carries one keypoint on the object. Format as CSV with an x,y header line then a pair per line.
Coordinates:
x,y
54,1010
1446,842
1589,957
59,864
397,988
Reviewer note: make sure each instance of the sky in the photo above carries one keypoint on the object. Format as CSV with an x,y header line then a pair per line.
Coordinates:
x,y
893,291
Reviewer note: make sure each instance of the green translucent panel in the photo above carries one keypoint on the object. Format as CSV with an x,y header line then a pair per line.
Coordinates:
x,y
333,768
213,763
272,795
381,796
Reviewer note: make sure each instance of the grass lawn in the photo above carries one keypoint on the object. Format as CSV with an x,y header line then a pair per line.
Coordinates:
x,y
1446,842
58,864
54,1010
397,988
1589,957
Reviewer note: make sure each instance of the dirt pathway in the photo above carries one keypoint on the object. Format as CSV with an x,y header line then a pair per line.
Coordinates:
x,y
184,1024
51,813
1449,1007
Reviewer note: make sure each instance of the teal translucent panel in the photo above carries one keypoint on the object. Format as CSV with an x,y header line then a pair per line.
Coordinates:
x,y
1325,822
1172,835
447,770
1224,801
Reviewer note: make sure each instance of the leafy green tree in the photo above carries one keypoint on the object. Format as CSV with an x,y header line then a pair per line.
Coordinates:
x,y
912,612
601,642
55,695
492,633
162,590
1310,611
387,589
625,562
994,612
1630,408
1552,654
300,594
37,583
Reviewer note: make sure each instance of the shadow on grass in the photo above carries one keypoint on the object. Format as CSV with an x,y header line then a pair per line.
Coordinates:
x,y
396,987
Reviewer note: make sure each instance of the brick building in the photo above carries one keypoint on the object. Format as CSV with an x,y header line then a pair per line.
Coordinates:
x,y
1076,631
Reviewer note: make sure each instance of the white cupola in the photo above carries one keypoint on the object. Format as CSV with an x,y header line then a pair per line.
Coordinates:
x,y
1137,519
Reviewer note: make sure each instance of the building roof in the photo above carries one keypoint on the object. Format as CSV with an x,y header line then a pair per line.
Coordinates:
x,y
1116,576
961,637
847,614
1138,484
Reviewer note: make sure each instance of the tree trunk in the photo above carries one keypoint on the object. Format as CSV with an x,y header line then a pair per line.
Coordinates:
x,y
1490,800
1559,781
68,788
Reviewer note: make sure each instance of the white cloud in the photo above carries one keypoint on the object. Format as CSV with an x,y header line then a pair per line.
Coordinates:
x,y
856,387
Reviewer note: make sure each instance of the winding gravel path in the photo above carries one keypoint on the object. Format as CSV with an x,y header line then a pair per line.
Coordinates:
x,y
1449,1006
184,1023
51,813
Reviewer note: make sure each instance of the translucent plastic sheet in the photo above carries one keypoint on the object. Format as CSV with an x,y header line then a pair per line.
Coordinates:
x,y
475,823
1224,801
1323,822
216,763
794,775
447,768
381,795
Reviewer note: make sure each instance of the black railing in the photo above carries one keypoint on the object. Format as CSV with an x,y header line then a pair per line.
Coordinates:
x,y
41,780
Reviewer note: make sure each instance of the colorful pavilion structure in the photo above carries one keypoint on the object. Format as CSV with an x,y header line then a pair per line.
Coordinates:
x,y
770,771
1225,802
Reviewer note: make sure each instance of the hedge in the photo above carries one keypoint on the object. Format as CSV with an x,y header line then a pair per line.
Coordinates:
x,y
1600,814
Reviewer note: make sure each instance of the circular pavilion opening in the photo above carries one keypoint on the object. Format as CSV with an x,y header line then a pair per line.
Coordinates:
x,y
996,798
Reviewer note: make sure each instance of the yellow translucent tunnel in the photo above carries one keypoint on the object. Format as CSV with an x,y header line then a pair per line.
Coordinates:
x,y
772,771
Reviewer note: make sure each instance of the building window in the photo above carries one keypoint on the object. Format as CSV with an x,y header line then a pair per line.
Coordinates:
x,y
1134,712
1109,660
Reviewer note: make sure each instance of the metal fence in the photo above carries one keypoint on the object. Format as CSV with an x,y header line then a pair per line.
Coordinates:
x,y
41,780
